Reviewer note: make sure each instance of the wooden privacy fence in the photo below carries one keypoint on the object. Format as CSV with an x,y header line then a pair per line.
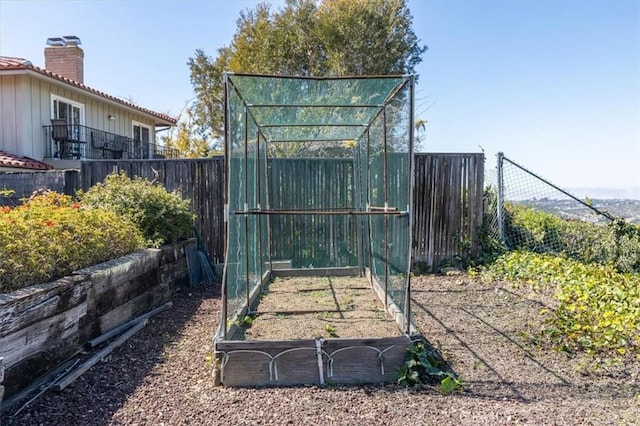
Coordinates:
x,y
25,183
319,184
200,180
448,207
448,199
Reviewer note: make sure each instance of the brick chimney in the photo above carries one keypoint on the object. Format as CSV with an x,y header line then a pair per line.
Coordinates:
x,y
64,57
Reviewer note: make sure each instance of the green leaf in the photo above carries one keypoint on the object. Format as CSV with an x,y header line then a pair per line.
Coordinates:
x,y
449,384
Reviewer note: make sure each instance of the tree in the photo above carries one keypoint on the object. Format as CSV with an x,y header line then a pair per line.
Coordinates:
x,y
185,140
369,37
317,38
420,128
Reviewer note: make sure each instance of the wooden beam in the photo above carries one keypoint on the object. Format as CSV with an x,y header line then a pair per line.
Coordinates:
x,y
299,312
1,380
317,272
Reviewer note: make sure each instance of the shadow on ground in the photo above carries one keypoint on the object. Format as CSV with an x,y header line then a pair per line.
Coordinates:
x,y
482,331
94,397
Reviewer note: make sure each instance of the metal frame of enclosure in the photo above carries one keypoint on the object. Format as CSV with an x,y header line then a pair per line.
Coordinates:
x,y
319,181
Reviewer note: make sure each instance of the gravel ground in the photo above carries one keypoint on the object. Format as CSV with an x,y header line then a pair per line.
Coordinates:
x,y
160,376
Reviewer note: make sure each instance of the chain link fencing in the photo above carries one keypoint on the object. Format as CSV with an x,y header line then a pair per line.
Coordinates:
x,y
524,211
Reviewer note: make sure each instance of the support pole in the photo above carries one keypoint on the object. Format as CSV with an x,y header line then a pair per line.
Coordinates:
x,y
385,183
246,207
259,220
368,200
357,201
409,229
500,198
227,163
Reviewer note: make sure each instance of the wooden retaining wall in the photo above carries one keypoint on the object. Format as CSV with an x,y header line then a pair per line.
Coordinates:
x,y
1,380
44,325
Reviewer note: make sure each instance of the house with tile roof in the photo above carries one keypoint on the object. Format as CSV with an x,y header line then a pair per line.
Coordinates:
x,y
50,119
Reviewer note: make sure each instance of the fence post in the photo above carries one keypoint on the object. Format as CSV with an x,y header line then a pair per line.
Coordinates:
x,y
500,198
71,182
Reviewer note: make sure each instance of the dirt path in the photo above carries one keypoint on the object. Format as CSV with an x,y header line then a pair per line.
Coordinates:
x,y
160,377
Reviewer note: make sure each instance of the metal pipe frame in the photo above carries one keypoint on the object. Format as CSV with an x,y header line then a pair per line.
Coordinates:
x,y
386,204
412,178
322,213
223,322
246,203
302,77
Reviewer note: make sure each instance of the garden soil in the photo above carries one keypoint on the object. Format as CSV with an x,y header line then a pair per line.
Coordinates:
x,y
328,307
486,331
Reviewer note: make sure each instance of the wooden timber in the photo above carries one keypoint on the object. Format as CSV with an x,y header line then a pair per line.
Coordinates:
x,y
1,380
44,325
316,272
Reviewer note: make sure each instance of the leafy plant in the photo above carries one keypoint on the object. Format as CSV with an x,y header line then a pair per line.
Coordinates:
x,y
162,216
598,308
425,366
242,321
420,268
331,329
490,245
534,230
8,194
51,235
208,359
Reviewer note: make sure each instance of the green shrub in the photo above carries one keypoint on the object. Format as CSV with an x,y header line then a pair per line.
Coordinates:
x,y
162,216
50,236
598,307
534,230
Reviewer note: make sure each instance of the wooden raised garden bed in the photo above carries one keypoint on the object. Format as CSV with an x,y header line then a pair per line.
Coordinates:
x,y
309,329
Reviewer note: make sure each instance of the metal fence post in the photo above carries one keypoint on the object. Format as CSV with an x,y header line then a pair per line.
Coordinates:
x,y
500,198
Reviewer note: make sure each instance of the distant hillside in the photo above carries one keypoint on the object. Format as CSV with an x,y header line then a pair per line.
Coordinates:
x,y
631,193
570,209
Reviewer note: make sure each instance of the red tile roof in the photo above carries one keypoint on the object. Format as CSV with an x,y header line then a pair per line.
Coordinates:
x,y
9,63
14,161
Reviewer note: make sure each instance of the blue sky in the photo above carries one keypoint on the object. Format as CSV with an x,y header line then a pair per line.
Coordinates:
x,y
555,85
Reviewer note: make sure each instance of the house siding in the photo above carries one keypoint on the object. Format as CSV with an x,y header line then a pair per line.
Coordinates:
x,y
25,107
33,110
9,103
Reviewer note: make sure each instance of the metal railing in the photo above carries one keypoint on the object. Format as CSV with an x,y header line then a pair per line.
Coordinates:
x,y
75,142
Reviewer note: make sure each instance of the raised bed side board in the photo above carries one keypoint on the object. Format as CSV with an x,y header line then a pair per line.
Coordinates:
x,y
312,361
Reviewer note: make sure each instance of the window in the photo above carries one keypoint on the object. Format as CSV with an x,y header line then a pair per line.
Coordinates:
x,y
71,112
141,138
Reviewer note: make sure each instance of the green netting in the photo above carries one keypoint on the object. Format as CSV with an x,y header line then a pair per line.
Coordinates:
x,y
318,175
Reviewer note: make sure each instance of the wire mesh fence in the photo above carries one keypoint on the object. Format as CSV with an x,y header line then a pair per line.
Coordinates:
x,y
524,211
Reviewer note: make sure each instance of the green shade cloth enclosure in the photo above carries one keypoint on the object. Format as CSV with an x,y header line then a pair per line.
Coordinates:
x,y
318,177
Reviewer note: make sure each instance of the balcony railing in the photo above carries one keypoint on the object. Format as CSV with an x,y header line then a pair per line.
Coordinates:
x,y
75,142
